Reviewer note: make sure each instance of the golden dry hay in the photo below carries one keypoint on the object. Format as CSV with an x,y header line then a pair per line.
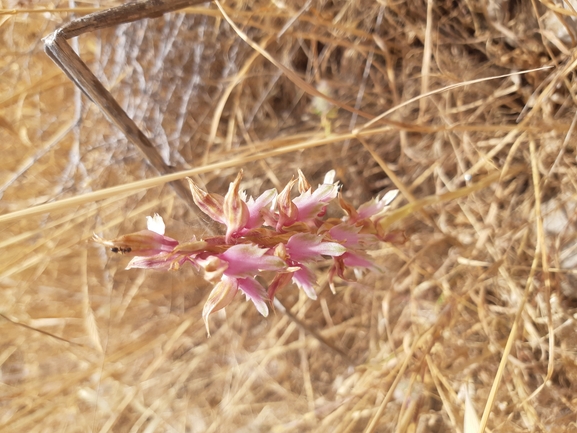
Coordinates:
x,y
479,305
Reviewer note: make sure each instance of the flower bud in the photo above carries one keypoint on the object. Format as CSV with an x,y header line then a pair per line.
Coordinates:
x,y
221,295
142,243
235,210
287,210
210,204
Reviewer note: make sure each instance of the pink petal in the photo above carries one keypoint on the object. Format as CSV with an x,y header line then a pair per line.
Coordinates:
x,y
246,260
350,237
346,233
368,209
255,292
311,204
358,260
269,217
255,207
374,206
304,247
305,279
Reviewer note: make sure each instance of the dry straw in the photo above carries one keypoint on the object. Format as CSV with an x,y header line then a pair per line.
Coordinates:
x,y
467,107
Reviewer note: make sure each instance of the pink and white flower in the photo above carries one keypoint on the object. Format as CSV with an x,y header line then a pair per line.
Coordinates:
x,y
273,233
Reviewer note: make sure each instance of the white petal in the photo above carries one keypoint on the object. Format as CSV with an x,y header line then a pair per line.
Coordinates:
x,y
390,196
330,177
155,224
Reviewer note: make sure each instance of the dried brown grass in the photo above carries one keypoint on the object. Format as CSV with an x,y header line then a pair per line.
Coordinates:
x,y
481,298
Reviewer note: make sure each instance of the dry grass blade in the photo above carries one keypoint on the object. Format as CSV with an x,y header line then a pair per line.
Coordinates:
x,y
521,308
309,89
468,109
417,205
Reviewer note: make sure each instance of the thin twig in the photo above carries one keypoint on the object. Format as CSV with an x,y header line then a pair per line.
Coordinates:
x,y
63,55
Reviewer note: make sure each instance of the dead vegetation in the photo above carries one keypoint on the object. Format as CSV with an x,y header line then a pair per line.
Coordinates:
x,y
474,314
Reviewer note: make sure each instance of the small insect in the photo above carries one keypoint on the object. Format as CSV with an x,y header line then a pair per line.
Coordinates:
x,y
121,250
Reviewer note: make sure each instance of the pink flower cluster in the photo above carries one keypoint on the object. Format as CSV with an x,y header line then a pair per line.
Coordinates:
x,y
273,233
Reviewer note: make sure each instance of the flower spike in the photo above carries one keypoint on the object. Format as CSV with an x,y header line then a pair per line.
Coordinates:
x,y
274,238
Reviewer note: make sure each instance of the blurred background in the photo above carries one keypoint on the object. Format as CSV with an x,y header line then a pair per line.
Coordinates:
x,y
89,346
